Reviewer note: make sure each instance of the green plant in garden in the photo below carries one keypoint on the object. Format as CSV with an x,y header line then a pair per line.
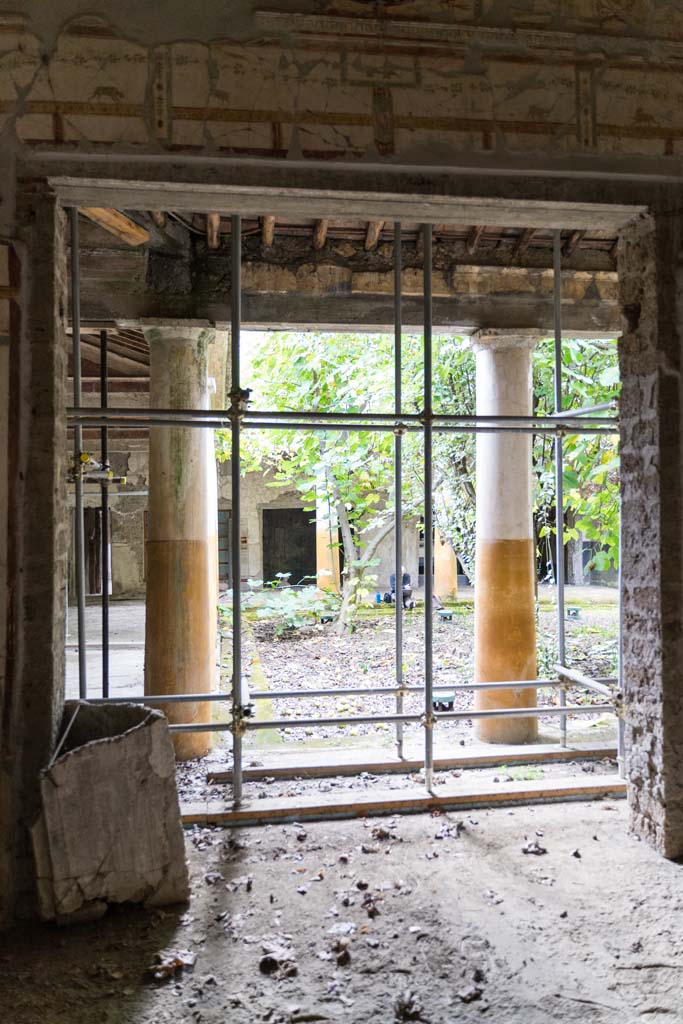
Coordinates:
x,y
590,376
288,607
349,473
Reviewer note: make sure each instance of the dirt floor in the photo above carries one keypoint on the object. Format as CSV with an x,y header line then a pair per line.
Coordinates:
x,y
315,657
436,919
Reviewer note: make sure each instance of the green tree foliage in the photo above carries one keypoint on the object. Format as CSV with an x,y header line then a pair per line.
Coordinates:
x,y
351,471
590,376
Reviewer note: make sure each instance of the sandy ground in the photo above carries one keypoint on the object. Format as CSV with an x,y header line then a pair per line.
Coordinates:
x,y
436,919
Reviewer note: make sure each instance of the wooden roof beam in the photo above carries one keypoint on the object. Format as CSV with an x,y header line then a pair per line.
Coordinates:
x,y
267,231
320,234
572,242
523,242
116,224
372,234
213,230
474,237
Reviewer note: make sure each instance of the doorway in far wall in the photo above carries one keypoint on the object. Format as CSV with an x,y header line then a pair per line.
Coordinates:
x,y
224,550
288,544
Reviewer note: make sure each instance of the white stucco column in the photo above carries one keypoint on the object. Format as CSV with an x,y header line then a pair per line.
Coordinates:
x,y
182,542
504,625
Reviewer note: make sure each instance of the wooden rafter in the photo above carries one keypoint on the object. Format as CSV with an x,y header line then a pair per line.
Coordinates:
x,y
122,364
213,230
524,242
267,231
474,237
320,233
572,242
116,224
372,234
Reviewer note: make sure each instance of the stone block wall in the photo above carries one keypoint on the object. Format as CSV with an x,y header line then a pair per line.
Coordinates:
x,y
652,569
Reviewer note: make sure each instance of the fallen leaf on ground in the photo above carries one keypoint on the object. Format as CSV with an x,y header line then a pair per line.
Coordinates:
x,y
170,961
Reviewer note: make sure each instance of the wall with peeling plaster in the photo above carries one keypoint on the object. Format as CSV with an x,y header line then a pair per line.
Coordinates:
x,y
425,82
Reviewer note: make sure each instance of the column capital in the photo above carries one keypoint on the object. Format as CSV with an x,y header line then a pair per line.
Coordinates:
x,y
498,338
190,332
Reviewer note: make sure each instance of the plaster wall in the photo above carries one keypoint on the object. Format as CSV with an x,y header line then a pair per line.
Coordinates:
x,y
422,81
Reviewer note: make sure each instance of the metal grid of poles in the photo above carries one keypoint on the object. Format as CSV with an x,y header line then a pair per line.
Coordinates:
x,y
237,418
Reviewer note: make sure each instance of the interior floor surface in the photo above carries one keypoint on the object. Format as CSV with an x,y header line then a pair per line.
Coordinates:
x,y
510,915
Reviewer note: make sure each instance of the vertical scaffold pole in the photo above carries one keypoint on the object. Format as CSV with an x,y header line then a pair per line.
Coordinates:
x,y
428,413
79,534
398,487
559,471
104,489
236,415
621,724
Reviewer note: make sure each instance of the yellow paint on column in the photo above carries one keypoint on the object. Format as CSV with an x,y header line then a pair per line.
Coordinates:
x,y
504,621
504,626
445,569
327,563
182,547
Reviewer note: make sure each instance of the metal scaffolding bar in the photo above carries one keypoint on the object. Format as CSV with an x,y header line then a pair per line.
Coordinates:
x,y
398,487
621,724
252,724
517,684
556,429
235,420
258,420
79,525
427,416
104,488
559,468
586,410
579,679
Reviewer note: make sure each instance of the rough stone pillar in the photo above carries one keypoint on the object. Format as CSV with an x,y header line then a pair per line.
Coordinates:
x,y
651,285
445,569
32,690
504,625
180,641
326,535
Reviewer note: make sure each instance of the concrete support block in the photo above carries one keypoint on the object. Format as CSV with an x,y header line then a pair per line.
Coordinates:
x,y
109,828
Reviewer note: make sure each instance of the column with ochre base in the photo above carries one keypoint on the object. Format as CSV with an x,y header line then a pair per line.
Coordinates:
x,y
504,621
180,634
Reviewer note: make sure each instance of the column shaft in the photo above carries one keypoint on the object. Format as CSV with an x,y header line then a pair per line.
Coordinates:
x,y
180,642
326,545
445,569
504,625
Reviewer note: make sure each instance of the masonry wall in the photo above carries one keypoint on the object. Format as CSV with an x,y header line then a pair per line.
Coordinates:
x,y
652,507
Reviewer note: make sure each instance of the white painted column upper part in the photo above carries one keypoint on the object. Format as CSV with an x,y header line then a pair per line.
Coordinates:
x,y
504,388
